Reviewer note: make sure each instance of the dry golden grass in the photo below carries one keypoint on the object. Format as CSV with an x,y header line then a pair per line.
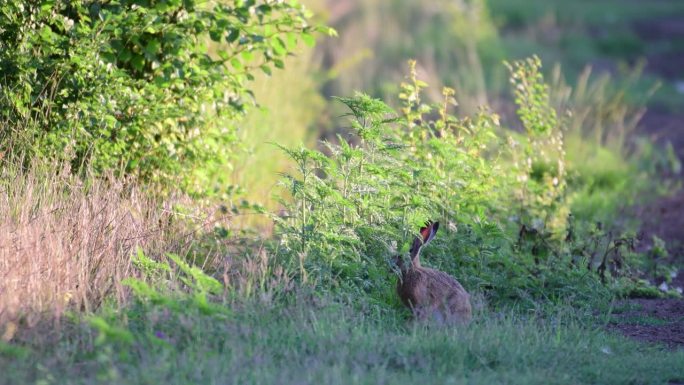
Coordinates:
x,y
67,244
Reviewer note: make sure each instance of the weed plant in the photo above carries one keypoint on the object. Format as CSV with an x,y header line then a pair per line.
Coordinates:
x,y
510,233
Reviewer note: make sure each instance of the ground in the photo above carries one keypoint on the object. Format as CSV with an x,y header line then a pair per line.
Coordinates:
x,y
661,320
651,320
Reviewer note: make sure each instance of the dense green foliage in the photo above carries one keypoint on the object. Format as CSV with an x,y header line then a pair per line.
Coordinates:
x,y
503,198
151,88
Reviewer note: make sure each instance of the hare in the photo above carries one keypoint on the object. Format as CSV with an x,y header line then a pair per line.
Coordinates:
x,y
429,292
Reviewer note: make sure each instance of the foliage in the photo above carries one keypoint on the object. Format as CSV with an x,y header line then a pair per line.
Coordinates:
x,y
349,208
182,288
524,212
131,85
540,162
504,201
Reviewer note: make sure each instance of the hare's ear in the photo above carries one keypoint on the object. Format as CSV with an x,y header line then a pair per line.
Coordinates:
x,y
429,231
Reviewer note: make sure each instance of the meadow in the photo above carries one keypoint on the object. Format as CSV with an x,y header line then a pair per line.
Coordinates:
x,y
215,192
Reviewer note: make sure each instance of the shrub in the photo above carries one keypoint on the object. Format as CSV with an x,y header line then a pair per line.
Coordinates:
x,y
133,85
503,201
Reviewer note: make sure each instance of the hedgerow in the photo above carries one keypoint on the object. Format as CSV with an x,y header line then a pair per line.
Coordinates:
x,y
146,88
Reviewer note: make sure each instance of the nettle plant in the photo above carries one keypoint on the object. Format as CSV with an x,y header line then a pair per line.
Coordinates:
x,y
360,200
148,87
502,201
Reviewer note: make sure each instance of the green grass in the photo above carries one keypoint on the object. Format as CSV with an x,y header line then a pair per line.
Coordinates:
x,y
333,343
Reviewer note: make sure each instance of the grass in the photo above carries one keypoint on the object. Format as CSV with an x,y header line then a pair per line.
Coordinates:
x,y
63,243
334,342
66,242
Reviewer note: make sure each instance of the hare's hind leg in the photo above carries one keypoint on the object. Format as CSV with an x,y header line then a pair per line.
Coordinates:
x,y
460,311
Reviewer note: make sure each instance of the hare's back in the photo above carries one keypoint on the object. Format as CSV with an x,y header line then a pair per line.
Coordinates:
x,y
448,292
441,281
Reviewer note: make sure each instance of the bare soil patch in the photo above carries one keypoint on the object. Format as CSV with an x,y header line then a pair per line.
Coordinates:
x,y
665,219
669,65
652,320
661,126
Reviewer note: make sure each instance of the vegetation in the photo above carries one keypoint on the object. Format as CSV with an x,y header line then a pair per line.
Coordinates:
x,y
100,84
138,258
334,345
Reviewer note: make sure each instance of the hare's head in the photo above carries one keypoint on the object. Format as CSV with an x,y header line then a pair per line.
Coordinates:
x,y
426,234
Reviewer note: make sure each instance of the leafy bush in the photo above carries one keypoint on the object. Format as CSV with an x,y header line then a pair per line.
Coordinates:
x,y
360,204
539,158
504,201
133,85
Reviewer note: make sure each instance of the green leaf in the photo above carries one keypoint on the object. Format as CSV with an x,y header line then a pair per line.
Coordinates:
x,y
247,56
47,5
309,39
278,46
233,35
138,62
266,69
153,47
237,64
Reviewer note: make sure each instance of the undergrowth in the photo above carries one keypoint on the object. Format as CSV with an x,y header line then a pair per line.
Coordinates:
x,y
506,199
104,283
170,335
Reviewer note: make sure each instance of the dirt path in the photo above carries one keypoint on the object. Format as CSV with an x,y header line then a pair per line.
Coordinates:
x,y
661,320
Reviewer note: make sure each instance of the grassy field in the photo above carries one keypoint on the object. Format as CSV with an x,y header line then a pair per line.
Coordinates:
x,y
336,342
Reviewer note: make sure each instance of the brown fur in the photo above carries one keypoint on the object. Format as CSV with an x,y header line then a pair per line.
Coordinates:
x,y
430,293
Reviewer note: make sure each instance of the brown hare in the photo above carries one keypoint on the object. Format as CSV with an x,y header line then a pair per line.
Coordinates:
x,y
430,293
